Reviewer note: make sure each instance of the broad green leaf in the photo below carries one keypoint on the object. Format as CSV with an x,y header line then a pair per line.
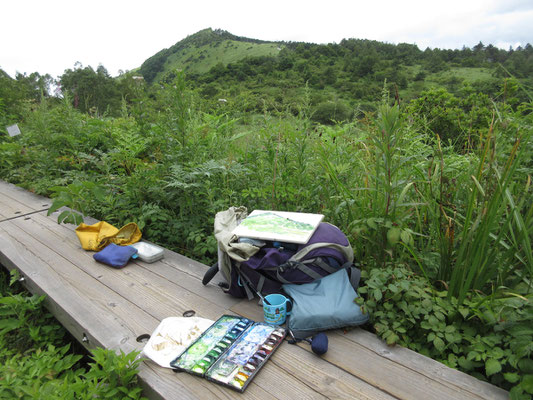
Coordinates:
x,y
99,193
56,205
393,235
63,216
464,311
392,339
371,223
7,325
526,365
439,344
466,364
406,237
492,366
512,377
450,337
527,383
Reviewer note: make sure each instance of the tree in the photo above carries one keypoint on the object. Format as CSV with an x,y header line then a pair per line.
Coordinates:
x,y
12,99
35,85
330,112
91,90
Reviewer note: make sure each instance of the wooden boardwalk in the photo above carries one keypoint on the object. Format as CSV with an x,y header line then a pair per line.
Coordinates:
x,y
106,307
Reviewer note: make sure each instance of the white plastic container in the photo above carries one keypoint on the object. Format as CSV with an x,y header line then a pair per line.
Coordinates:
x,y
148,252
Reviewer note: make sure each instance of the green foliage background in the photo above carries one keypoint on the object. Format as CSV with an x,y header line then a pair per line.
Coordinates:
x,y
423,158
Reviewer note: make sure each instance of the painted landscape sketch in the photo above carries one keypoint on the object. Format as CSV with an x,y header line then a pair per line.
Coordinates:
x,y
280,226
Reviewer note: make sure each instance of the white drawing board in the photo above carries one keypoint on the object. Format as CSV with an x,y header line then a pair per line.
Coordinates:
x,y
282,226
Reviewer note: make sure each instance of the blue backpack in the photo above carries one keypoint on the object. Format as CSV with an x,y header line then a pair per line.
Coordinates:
x,y
276,264
327,303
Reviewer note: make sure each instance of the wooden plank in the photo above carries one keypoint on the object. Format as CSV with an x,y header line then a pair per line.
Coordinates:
x,y
324,377
166,384
24,197
112,307
379,371
321,375
93,312
85,314
427,366
385,374
28,230
158,296
171,264
185,264
173,271
35,261
174,267
10,208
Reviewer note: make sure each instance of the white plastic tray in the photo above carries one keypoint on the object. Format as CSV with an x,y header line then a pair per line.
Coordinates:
x,y
148,252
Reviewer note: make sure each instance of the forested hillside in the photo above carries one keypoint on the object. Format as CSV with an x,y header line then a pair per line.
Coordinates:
x,y
340,80
340,76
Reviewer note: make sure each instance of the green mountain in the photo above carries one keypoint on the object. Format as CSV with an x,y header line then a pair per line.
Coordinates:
x,y
337,78
200,52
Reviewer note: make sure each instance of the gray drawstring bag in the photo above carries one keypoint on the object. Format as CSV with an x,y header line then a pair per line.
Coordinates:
x,y
327,303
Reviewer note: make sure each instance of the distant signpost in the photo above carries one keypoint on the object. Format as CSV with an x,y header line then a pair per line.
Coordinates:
x,y
13,130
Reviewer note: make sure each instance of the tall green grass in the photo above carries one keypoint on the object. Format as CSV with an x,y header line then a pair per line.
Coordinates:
x,y
464,221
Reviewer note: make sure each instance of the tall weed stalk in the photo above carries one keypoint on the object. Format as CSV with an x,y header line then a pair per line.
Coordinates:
x,y
495,238
377,204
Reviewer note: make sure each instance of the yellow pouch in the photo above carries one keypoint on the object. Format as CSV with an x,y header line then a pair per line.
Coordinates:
x,y
97,236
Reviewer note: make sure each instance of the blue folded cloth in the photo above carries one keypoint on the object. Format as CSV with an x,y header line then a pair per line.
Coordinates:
x,y
115,256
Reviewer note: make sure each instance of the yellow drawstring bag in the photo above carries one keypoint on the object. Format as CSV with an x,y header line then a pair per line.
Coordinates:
x,y
97,236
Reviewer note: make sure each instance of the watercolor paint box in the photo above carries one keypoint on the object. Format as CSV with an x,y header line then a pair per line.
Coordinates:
x,y
231,352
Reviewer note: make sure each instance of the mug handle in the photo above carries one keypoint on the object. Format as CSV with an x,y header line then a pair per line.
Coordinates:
x,y
287,308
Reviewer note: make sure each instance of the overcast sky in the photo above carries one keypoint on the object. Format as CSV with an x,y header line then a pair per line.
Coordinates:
x,y
49,36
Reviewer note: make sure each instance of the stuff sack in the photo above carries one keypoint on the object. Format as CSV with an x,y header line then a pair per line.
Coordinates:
x,y
276,263
97,236
327,303
115,256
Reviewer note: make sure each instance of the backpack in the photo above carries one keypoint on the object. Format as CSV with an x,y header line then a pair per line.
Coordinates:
x,y
327,303
275,264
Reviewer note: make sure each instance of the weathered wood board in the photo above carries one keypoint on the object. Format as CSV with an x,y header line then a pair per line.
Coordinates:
x,y
111,308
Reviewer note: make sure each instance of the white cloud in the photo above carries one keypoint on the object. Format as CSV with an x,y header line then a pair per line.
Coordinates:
x,y
50,36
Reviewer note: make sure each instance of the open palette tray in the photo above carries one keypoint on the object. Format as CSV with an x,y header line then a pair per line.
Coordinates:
x,y
231,351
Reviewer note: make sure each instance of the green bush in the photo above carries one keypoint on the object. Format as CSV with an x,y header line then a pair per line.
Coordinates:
x,y
488,337
35,362
330,112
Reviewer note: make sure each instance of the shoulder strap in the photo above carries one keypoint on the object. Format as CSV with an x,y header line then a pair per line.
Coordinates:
x,y
249,287
303,266
347,251
354,274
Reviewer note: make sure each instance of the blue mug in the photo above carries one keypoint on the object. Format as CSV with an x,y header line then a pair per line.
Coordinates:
x,y
276,313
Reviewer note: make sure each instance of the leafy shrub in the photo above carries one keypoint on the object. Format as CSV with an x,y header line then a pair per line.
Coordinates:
x,y
35,362
488,337
24,323
53,373
330,112
456,119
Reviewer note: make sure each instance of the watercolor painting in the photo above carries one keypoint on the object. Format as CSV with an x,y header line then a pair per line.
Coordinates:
x,y
282,226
